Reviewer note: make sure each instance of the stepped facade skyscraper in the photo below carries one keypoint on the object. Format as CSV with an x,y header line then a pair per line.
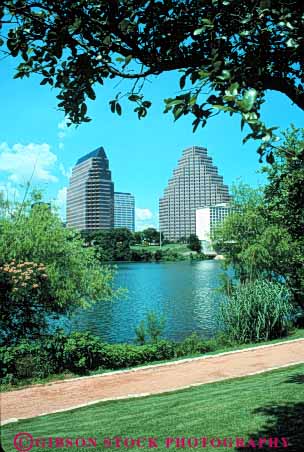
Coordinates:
x,y
195,183
90,195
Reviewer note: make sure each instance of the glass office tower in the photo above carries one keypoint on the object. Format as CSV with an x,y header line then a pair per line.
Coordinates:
x,y
90,195
124,210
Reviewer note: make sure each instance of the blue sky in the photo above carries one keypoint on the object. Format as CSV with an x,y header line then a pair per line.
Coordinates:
x,y
34,140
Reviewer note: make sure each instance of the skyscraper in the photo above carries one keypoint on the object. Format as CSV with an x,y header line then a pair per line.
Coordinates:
x,y
208,218
124,211
90,195
195,183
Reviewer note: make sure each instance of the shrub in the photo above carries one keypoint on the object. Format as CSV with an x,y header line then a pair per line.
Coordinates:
x,y
194,244
28,360
257,311
45,271
164,350
191,345
78,352
83,352
150,329
141,255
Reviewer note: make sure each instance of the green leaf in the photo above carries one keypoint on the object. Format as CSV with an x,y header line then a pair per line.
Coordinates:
x,y
248,100
12,47
203,74
91,94
123,25
134,97
198,31
127,60
83,109
223,108
195,124
192,100
118,108
19,75
292,43
107,40
173,102
147,104
267,137
112,105
233,88
270,158
225,75
74,27
182,81
245,33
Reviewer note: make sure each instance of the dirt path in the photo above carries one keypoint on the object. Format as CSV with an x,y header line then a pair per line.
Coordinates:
x,y
63,395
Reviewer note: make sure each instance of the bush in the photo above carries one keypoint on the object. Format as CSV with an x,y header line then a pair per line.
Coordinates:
x,y
29,360
141,256
45,271
191,345
150,329
194,243
83,352
257,311
79,353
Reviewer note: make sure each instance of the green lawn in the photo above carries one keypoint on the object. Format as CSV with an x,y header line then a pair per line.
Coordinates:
x,y
265,405
177,247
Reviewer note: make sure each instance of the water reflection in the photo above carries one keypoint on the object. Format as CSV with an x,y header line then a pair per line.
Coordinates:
x,y
184,292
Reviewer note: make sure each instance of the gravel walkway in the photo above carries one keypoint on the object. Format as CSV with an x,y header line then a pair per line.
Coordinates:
x,y
64,395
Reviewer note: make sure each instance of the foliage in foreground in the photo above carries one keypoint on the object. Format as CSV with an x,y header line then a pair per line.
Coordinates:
x,y
83,352
257,311
229,53
45,270
264,236
150,329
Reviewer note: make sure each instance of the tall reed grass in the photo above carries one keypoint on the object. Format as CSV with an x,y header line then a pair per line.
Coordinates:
x,y
256,311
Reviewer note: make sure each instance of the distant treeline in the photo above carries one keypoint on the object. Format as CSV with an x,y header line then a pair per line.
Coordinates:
x,y
119,245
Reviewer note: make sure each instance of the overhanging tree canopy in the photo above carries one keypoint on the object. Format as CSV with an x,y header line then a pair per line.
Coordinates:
x,y
229,53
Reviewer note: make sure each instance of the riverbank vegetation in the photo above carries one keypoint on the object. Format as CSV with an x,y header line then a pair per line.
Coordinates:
x,y
257,311
263,240
121,245
57,356
45,270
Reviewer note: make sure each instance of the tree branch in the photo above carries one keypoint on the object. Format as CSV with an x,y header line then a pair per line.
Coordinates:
x,y
290,90
132,76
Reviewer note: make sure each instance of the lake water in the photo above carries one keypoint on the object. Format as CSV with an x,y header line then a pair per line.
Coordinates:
x,y
183,292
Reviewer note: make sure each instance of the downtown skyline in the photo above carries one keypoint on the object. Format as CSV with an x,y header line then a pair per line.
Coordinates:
x,y
195,183
34,137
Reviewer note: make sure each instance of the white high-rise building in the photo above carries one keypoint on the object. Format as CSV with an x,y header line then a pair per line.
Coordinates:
x,y
195,183
208,218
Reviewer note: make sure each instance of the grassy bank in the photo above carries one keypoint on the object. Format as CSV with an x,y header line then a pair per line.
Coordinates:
x,y
216,347
169,252
178,247
267,405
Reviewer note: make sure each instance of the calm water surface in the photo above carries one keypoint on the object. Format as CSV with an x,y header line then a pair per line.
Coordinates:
x,y
184,292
